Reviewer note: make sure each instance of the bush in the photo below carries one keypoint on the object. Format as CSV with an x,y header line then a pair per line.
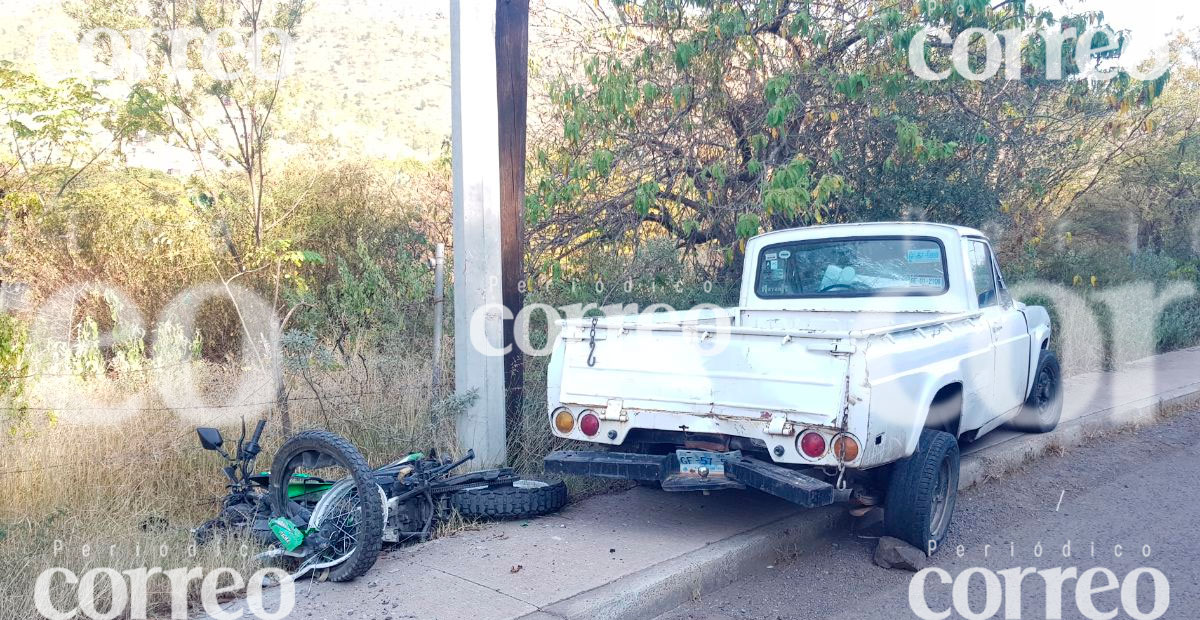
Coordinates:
x,y
655,272
1179,325
14,370
1109,264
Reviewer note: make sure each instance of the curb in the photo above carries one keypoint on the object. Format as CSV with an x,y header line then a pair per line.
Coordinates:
x,y
663,587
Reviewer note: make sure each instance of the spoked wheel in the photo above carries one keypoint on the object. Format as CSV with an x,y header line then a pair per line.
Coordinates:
x,y
344,531
335,521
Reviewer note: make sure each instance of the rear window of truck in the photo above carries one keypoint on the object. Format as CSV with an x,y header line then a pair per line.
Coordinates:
x,y
852,267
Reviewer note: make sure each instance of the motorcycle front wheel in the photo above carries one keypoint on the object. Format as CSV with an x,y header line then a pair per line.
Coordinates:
x,y
346,535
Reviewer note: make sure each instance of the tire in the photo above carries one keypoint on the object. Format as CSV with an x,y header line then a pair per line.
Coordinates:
x,y
207,531
1041,411
519,499
922,491
321,447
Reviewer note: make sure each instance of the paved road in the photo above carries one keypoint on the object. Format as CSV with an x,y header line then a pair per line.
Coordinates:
x,y
1132,489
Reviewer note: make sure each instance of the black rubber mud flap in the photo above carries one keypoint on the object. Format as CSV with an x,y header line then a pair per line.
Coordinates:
x,y
622,465
788,484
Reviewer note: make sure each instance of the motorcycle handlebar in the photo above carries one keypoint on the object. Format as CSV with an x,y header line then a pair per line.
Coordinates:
x,y
247,452
258,429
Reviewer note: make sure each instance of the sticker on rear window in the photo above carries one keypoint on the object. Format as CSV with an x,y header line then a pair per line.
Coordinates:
x,y
784,254
770,256
924,255
930,281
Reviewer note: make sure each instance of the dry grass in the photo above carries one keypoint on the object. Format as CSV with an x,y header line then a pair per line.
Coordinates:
x,y
1077,335
124,497
384,404
129,492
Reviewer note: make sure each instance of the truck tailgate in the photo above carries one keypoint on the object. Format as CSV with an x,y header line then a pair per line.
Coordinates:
x,y
735,374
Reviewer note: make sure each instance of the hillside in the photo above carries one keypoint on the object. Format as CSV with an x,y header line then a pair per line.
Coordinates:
x,y
369,78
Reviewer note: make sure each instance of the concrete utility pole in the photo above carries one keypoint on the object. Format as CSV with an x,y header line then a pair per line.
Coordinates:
x,y
477,228
512,79
439,316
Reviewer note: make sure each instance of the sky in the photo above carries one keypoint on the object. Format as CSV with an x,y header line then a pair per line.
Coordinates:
x,y
1151,17
1149,21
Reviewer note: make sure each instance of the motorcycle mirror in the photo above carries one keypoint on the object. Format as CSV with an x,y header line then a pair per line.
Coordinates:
x,y
210,438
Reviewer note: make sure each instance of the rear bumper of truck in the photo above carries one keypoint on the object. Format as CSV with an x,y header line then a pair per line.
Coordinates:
x,y
741,472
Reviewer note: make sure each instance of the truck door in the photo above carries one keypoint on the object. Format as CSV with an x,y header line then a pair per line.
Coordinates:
x,y
1010,334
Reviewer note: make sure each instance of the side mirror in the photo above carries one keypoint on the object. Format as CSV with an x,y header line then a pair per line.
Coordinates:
x,y
210,438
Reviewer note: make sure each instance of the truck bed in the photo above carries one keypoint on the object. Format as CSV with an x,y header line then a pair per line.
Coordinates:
x,y
751,366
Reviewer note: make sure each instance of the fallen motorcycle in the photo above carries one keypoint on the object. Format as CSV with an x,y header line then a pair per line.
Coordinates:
x,y
309,509
422,493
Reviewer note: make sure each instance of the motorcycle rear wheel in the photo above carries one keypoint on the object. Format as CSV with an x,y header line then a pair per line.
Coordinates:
x,y
519,498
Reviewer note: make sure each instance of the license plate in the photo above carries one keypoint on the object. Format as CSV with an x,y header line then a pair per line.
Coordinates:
x,y
690,462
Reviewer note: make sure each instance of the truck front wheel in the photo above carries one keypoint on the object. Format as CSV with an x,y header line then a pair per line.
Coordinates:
x,y
922,492
1043,408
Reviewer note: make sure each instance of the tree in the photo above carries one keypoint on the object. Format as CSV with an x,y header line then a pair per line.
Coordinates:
x,y
46,131
1159,176
225,110
711,120
222,112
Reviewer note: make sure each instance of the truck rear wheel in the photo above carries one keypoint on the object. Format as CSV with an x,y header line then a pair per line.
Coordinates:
x,y
922,492
1043,408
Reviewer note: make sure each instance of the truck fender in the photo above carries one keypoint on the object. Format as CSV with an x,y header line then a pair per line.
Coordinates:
x,y
1038,320
939,377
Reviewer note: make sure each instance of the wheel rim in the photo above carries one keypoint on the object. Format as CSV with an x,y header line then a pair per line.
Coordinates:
x,y
336,514
340,527
1045,392
337,517
940,514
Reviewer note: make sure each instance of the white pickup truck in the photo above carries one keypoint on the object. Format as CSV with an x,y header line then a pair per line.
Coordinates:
x,y
857,359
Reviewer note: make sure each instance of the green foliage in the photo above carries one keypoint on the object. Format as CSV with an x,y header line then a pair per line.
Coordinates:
x,y
370,297
803,113
43,115
47,135
86,359
655,272
14,372
1178,326
134,230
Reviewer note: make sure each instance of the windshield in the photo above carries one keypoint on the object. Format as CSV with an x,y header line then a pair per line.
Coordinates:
x,y
855,267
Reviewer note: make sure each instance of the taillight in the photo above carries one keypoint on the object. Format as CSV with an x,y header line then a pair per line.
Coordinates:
x,y
563,420
589,423
845,448
812,445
